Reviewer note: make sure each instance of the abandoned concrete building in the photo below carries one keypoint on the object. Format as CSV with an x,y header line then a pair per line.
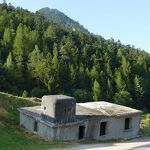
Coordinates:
x,y
60,118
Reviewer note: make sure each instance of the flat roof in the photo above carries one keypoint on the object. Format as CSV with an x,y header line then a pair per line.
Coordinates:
x,y
109,109
85,111
81,112
90,109
57,97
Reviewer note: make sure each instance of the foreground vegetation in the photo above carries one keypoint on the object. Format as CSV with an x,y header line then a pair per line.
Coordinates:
x,y
145,124
38,57
11,135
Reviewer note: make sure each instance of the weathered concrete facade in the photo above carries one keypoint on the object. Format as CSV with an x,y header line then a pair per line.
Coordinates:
x,y
59,109
95,120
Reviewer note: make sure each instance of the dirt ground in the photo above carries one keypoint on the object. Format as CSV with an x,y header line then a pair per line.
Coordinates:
x,y
135,144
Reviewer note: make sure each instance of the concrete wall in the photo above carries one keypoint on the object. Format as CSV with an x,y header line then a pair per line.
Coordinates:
x,y
68,133
26,122
45,131
58,108
114,128
42,129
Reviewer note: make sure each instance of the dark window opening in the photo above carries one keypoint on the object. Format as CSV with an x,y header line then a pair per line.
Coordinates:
x,y
81,132
127,124
65,110
35,126
44,107
103,128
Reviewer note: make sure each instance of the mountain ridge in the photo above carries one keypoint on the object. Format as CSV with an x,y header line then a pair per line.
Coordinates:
x,y
56,16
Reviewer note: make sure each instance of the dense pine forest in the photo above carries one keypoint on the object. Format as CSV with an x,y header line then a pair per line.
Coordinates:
x,y
39,57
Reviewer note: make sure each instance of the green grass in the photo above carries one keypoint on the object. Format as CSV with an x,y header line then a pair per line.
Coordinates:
x,y
12,136
145,124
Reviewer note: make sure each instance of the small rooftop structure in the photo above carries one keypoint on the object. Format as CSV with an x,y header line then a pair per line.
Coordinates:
x,y
60,117
58,108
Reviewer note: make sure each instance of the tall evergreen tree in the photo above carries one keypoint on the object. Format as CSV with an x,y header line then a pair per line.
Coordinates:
x,y
120,84
9,62
139,92
7,42
18,50
48,72
94,74
96,91
56,67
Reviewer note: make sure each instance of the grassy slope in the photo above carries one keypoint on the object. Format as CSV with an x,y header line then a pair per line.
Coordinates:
x,y
11,135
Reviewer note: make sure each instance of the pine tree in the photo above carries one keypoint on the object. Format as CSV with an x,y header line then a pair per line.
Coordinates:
x,y
35,64
137,84
96,91
94,74
109,92
56,67
48,72
126,68
7,42
72,76
139,92
126,71
108,69
120,85
18,50
55,61
9,61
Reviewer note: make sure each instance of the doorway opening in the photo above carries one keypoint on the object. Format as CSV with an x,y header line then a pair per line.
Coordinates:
x,y
35,126
103,128
81,132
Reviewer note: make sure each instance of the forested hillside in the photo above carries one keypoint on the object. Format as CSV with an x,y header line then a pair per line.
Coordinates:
x,y
38,57
55,16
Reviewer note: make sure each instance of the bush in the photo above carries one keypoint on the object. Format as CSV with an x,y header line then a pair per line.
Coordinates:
x,y
38,92
123,98
82,95
145,124
24,94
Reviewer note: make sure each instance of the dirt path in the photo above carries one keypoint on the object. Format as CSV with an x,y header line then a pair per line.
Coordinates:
x,y
136,144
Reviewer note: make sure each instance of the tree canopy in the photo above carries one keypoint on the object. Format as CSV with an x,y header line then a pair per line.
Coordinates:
x,y
38,57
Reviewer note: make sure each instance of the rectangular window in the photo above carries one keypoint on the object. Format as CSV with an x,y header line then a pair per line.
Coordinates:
x,y
35,126
127,124
103,128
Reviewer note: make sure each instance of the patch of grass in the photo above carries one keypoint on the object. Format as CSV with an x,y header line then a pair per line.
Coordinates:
x,y
14,137
145,124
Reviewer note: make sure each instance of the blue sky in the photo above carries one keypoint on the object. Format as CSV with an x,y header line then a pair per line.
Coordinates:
x,y
127,20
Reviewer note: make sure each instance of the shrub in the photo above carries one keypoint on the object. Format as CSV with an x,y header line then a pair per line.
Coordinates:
x,y
82,95
38,92
123,98
24,94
